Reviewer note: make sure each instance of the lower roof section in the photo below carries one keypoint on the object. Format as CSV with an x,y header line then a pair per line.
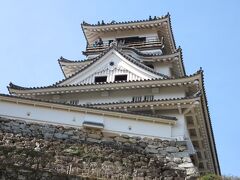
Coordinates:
x,y
80,117
191,80
88,110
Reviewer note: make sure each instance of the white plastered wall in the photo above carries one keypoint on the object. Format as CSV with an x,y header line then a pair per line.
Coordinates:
x,y
75,119
163,68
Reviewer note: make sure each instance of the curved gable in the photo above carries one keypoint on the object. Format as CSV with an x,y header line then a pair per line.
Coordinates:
x,y
111,64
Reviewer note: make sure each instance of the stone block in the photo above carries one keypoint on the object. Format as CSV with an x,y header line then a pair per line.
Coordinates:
x,y
151,150
132,140
182,148
186,165
172,143
94,136
107,140
177,160
152,146
143,144
60,136
186,159
180,154
74,137
171,164
191,171
171,149
69,132
162,152
137,138
93,140
125,136
121,139
48,136
181,143
108,134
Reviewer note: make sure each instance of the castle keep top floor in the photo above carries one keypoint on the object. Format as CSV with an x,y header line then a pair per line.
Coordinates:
x,y
152,36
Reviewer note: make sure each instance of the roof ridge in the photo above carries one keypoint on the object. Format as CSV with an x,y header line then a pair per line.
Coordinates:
x,y
62,59
113,22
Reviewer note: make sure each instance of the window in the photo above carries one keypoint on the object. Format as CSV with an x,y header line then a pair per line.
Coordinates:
x,y
148,98
120,78
129,40
137,99
101,79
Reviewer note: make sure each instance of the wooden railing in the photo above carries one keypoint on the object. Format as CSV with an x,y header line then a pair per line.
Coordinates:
x,y
106,44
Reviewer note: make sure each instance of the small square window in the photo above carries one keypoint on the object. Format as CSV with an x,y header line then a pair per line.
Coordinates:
x,y
100,79
120,77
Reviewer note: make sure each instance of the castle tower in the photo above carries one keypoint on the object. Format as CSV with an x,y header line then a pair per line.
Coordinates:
x,y
133,82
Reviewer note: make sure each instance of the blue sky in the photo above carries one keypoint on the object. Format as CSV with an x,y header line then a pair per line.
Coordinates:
x,y
34,34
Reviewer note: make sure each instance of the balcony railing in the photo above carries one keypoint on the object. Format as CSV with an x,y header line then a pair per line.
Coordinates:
x,y
150,42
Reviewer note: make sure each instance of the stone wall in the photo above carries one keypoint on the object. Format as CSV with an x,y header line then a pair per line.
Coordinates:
x,y
43,151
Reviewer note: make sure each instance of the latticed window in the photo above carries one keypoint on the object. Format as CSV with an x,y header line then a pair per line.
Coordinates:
x,y
74,102
137,98
148,98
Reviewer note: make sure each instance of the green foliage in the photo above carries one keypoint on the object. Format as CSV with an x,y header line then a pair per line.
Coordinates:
x,y
210,177
230,178
215,177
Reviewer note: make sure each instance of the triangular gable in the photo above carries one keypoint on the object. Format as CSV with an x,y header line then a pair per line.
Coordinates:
x,y
110,64
70,67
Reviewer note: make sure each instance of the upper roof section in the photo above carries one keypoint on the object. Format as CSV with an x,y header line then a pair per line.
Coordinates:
x,y
151,35
155,61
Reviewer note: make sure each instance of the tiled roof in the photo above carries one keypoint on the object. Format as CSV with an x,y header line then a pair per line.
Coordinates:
x,y
174,43
62,59
204,98
179,50
13,86
182,63
67,104
102,23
